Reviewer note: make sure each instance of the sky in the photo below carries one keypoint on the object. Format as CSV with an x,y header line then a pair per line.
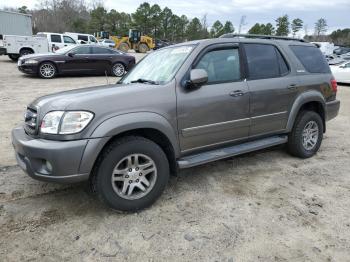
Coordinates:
x,y
336,12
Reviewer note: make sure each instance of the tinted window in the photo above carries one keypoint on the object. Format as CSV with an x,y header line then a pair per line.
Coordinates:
x,y
68,40
264,61
82,50
83,37
221,65
98,50
56,39
311,58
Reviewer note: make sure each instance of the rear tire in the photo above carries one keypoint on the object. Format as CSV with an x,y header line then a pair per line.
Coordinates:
x,y
144,179
306,137
118,69
14,57
24,52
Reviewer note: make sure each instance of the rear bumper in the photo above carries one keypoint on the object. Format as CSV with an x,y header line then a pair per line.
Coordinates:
x,y
46,160
332,109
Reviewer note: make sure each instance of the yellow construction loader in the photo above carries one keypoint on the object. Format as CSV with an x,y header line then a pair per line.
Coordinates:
x,y
140,43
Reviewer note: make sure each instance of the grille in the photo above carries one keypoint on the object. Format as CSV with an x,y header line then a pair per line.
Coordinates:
x,y
31,121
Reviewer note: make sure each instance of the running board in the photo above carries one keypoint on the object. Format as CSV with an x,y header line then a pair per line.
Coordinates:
x,y
202,158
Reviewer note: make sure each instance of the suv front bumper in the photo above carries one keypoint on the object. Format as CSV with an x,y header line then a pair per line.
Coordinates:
x,y
3,51
47,160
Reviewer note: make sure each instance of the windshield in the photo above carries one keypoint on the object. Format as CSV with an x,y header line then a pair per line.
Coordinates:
x,y
158,67
65,50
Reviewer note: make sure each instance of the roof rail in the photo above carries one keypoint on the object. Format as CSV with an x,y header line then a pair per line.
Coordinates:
x,y
231,35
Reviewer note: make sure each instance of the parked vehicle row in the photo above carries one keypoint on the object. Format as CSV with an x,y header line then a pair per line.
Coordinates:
x,y
77,60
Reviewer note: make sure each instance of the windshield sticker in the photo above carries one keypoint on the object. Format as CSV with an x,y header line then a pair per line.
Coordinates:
x,y
182,50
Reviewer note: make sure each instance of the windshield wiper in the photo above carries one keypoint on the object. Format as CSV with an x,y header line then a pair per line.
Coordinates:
x,y
142,80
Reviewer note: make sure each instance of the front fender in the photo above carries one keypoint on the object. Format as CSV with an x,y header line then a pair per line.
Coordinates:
x,y
302,99
131,121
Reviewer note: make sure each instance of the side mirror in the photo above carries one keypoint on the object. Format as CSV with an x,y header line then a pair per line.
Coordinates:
x,y
198,77
71,54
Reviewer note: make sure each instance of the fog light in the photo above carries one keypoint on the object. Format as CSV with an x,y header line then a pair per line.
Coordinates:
x,y
48,166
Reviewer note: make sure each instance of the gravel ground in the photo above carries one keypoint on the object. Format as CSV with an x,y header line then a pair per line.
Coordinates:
x,y
263,206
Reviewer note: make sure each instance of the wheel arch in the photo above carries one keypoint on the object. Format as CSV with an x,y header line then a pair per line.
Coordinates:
x,y
148,125
313,101
26,48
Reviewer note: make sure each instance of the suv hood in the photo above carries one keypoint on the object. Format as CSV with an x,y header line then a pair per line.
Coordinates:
x,y
108,100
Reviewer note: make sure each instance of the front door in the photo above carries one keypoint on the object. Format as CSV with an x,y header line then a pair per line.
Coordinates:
x,y
217,112
80,62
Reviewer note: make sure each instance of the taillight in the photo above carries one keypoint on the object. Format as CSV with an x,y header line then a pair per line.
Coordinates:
x,y
334,85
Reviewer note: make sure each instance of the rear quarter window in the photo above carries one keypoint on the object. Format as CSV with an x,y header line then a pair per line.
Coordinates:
x,y
311,58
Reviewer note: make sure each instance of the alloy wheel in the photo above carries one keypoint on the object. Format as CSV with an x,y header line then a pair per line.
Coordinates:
x,y
47,70
118,70
310,135
134,176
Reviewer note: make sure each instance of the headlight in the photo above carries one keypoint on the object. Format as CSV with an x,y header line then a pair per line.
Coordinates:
x,y
60,122
30,61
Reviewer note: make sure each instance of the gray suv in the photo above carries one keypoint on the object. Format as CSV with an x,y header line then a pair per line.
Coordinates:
x,y
181,106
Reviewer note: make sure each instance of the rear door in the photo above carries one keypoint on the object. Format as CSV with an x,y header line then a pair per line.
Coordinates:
x,y
103,59
272,87
216,113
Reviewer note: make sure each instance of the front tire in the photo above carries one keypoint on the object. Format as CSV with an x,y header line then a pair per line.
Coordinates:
x,y
47,70
306,137
14,57
131,174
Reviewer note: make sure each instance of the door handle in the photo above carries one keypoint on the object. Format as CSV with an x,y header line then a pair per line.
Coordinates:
x,y
237,93
292,86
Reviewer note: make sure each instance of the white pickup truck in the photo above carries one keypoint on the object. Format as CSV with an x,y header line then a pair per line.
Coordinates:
x,y
15,46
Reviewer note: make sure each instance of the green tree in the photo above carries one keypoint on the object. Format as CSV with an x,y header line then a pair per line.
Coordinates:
x,y
216,29
282,25
23,9
156,18
296,25
320,26
228,28
194,29
98,19
255,29
341,37
166,22
267,29
142,18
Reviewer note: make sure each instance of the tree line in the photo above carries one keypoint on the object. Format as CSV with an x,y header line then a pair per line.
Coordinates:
x,y
162,23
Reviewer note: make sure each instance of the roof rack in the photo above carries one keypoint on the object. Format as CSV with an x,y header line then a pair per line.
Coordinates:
x,y
231,35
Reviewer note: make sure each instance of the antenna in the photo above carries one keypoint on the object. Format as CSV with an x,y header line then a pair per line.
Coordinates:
x,y
106,77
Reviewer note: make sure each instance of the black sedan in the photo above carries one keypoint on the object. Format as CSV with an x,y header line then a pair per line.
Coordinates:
x,y
77,60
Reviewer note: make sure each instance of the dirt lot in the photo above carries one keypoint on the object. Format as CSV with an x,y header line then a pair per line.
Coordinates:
x,y
264,206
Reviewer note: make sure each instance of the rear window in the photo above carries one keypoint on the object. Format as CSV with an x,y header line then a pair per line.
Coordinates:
x,y
83,37
265,61
311,58
56,39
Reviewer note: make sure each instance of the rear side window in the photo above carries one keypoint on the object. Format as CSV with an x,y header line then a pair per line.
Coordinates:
x,y
83,37
56,39
102,51
221,65
82,50
264,61
311,58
